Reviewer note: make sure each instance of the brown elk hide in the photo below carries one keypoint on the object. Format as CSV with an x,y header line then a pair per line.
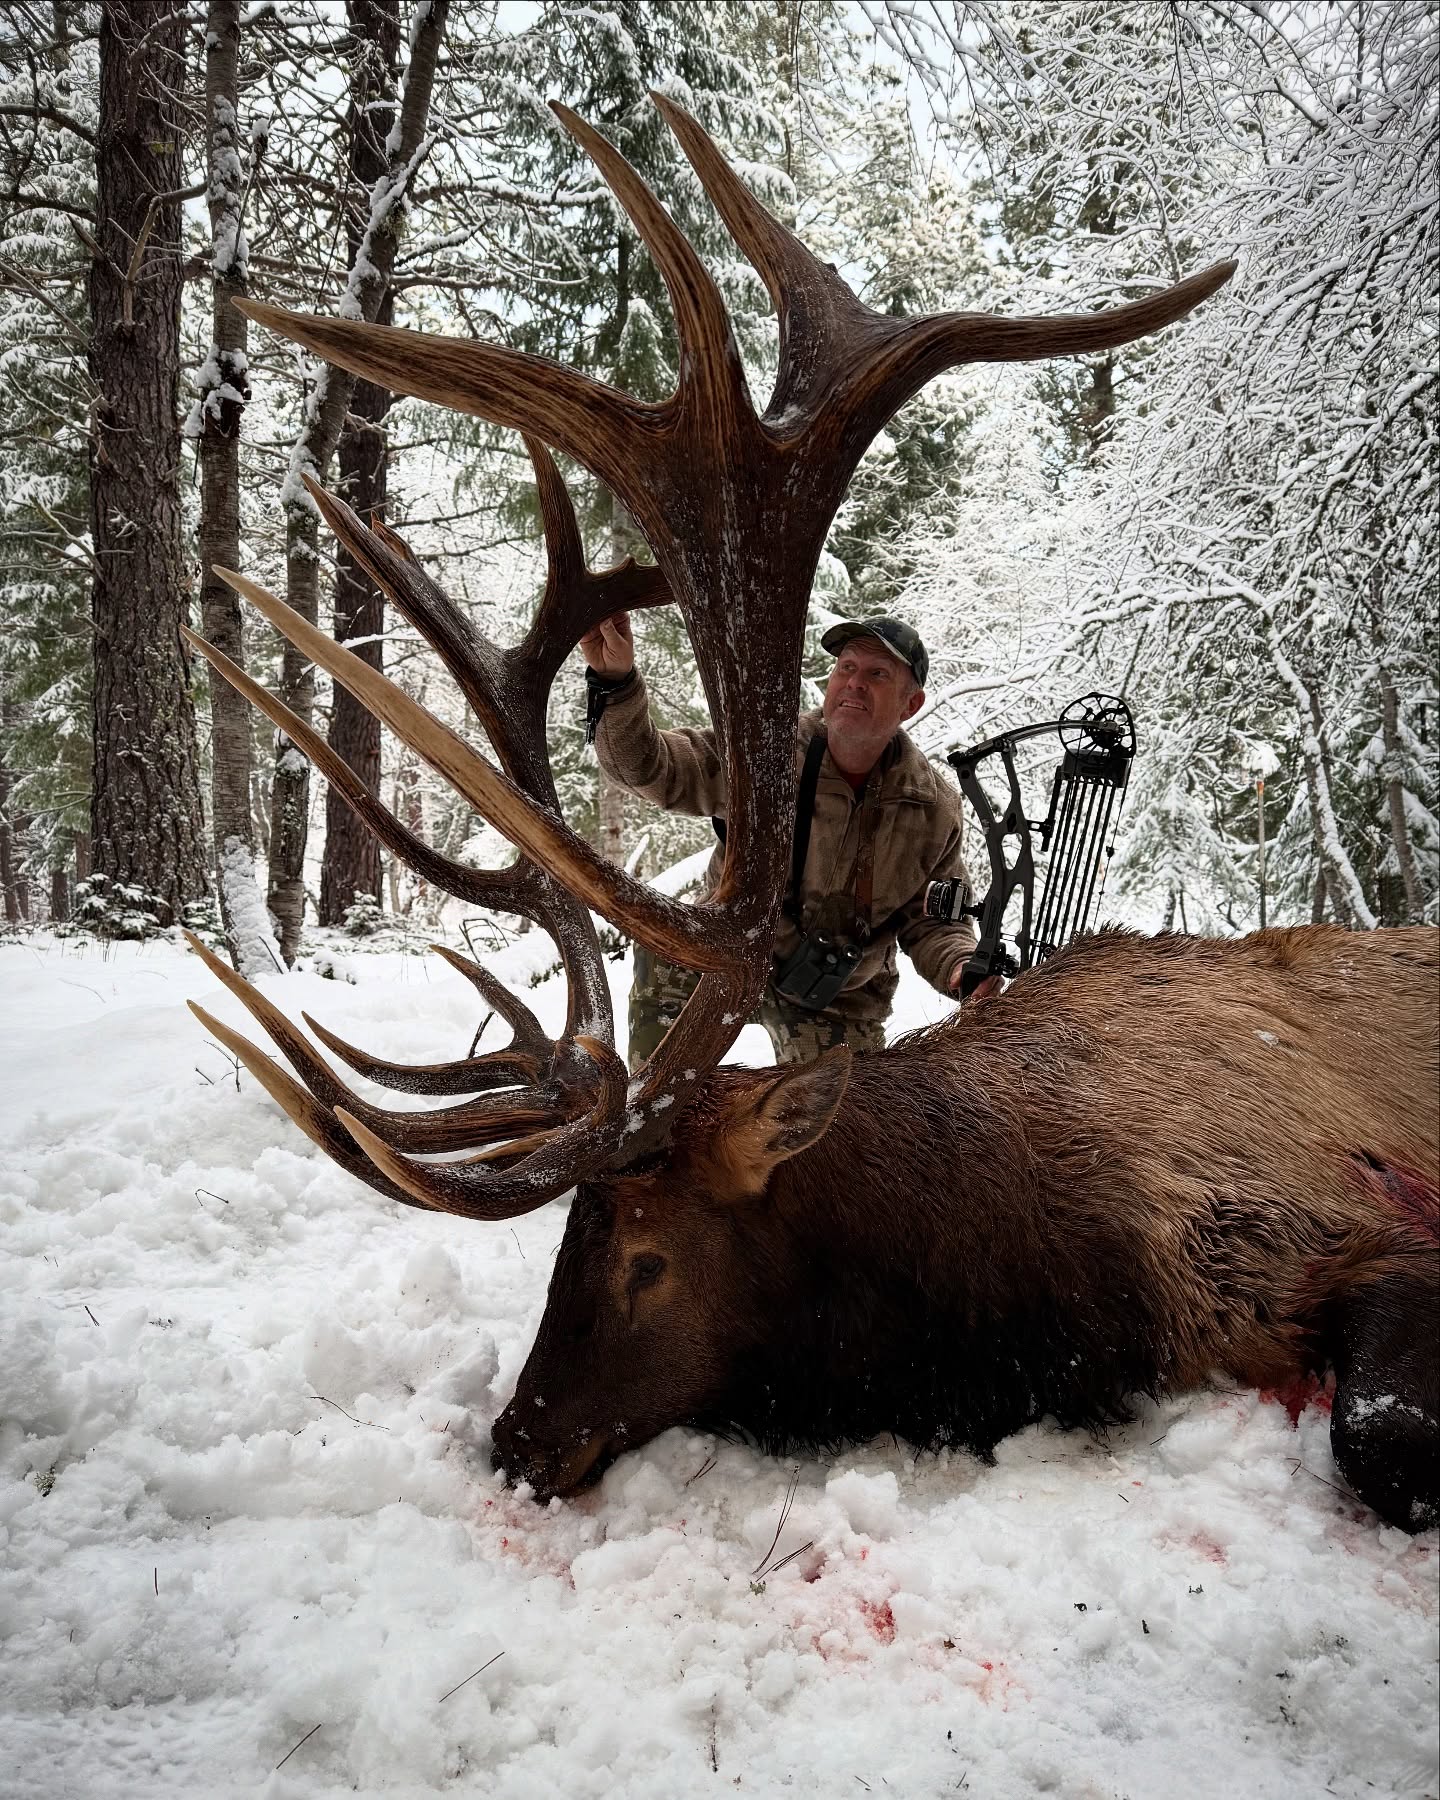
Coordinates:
x,y
1151,1161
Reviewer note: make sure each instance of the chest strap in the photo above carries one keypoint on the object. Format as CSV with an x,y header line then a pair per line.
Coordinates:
x,y
804,815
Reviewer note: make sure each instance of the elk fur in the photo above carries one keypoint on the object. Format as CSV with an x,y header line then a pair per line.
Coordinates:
x,y
1150,1163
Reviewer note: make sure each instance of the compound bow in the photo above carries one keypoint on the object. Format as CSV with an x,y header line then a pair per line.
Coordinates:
x,y
1086,799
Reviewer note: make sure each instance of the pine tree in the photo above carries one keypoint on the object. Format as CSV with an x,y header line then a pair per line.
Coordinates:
x,y
146,816
47,177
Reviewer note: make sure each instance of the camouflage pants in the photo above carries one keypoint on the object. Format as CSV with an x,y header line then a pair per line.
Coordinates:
x,y
659,990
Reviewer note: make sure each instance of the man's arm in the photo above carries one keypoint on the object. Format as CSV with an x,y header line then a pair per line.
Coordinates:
x,y
938,947
679,770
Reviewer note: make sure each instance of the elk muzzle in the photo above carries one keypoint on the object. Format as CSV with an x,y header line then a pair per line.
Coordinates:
x,y
523,1451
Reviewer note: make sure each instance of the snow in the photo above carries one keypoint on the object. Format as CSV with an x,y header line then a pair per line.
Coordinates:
x,y
248,1517
245,912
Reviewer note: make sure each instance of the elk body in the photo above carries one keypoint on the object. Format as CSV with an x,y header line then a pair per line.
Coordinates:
x,y
1145,1162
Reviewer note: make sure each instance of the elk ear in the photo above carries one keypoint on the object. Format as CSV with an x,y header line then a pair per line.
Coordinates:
x,y
784,1117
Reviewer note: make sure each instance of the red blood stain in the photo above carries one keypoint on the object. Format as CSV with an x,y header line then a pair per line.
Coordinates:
x,y
998,1685
1302,1391
880,1619
1208,1548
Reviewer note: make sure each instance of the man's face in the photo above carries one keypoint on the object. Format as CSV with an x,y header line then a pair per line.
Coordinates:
x,y
868,697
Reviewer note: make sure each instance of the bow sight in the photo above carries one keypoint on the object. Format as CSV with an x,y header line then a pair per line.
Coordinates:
x,y
1086,799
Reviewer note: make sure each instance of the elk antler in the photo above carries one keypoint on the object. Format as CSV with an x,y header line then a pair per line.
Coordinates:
x,y
569,1090
736,507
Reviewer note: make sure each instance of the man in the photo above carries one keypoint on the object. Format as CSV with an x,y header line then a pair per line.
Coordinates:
x,y
882,825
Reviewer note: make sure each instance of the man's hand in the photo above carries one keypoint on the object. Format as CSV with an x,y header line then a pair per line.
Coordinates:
x,y
609,648
986,990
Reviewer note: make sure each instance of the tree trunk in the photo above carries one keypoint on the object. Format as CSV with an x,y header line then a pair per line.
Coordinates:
x,y
1318,894
59,895
1342,884
145,806
352,852
1392,769
324,415
224,389
9,850
290,788
1392,773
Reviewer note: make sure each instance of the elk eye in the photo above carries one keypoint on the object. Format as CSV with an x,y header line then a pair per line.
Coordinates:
x,y
646,1270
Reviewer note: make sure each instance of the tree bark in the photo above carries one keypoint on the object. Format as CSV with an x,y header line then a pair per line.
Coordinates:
x,y
1342,884
351,865
1392,774
224,389
352,851
9,850
1392,768
324,415
145,805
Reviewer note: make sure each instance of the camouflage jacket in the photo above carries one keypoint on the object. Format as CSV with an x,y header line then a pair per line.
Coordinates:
x,y
919,832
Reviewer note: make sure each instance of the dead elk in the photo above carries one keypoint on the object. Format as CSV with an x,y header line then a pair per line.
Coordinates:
x,y
1147,1161
1150,1163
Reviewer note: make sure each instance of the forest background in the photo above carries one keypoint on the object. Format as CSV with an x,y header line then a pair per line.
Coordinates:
x,y
1234,524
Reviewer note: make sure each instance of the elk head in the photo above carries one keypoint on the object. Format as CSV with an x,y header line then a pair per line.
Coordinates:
x,y
639,1313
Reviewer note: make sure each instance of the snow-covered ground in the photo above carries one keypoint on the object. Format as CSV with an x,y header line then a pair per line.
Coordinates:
x,y
248,1524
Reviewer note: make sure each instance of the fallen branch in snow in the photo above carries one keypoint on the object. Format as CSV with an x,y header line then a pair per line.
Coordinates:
x,y
305,1740
470,1677
350,1416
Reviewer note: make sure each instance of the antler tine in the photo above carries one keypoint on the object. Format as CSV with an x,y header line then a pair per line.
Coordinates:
x,y
775,252
513,890
447,1128
880,361
701,938
803,289
526,1033
709,355
473,661
508,690
924,348
391,539
599,426
478,1189
564,550
466,1075
312,1118
576,597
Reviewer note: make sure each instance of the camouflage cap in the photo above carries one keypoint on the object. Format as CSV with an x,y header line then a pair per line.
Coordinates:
x,y
901,640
